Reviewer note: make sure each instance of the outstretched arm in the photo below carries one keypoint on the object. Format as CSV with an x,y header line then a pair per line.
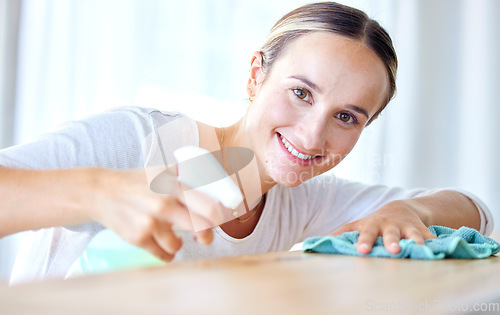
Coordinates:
x,y
409,218
120,200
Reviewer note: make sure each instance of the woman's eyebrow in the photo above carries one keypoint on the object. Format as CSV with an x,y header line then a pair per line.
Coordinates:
x,y
358,109
311,84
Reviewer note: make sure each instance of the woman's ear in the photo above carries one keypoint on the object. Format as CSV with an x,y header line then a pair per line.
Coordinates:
x,y
256,73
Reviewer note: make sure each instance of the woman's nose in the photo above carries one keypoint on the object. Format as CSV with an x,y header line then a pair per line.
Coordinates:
x,y
311,130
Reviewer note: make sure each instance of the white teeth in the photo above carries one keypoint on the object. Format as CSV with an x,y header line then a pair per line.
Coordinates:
x,y
295,152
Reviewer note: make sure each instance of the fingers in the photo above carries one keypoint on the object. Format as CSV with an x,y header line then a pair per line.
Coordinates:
x,y
366,239
150,236
201,205
175,212
154,248
368,235
189,209
414,234
160,240
153,231
188,221
394,221
204,237
391,238
145,218
166,239
428,234
391,235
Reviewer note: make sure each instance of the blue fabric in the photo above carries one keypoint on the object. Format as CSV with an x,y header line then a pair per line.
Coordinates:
x,y
450,243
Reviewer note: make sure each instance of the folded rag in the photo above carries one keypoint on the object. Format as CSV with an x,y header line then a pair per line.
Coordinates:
x,y
450,243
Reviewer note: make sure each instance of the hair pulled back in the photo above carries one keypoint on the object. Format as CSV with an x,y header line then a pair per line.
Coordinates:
x,y
338,19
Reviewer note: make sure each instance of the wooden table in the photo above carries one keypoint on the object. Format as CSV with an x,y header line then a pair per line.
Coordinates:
x,y
273,283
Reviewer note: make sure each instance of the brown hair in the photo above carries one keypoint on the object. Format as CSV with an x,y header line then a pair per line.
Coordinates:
x,y
339,19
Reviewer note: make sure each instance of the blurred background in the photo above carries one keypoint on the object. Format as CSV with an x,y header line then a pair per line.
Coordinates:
x,y
62,60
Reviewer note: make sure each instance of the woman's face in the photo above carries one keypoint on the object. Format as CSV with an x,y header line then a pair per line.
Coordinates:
x,y
310,108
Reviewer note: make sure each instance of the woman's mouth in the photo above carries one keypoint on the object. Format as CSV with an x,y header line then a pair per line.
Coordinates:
x,y
293,153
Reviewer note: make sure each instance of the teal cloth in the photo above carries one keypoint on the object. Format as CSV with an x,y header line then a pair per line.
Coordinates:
x,y
450,243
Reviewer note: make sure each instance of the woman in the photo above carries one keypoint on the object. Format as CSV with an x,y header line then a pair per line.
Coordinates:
x,y
325,72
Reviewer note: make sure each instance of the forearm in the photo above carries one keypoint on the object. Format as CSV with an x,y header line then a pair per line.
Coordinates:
x,y
446,208
34,199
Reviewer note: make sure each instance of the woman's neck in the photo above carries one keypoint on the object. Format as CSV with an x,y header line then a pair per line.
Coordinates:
x,y
250,177
237,135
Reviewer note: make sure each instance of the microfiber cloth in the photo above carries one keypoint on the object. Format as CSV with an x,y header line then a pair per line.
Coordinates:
x,y
464,243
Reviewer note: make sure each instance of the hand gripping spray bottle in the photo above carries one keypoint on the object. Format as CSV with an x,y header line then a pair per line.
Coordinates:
x,y
197,169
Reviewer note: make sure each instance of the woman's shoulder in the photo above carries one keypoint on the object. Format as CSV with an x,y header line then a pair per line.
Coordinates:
x,y
137,120
144,113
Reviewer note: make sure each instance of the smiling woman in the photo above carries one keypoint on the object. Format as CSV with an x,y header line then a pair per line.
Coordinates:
x,y
325,18
325,73
311,100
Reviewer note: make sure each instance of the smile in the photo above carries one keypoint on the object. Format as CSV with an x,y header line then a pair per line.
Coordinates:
x,y
294,152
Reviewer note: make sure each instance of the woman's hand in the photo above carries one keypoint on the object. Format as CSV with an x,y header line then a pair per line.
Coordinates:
x,y
393,221
123,202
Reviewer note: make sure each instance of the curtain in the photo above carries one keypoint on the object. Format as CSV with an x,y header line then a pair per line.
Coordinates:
x,y
9,27
79,57
82,57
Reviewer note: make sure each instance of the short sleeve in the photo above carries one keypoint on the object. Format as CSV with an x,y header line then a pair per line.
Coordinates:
x,y
485,215
114,139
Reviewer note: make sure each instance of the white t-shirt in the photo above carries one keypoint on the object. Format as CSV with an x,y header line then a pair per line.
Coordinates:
x,y
133,137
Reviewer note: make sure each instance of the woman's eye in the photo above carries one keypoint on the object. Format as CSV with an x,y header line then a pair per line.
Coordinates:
x,y
347,118
302,94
